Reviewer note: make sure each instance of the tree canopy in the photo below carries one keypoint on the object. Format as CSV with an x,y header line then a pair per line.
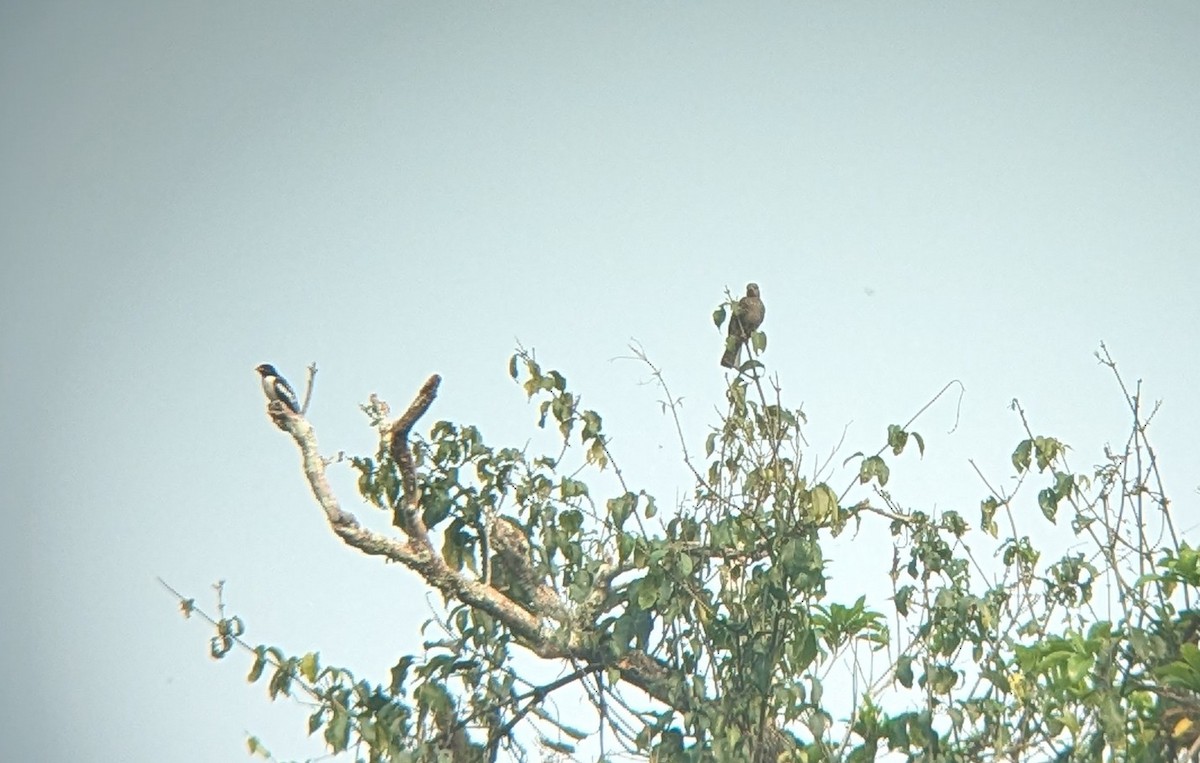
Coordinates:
x,y
705,631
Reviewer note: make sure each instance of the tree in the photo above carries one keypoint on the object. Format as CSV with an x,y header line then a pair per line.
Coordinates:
x,y
705,635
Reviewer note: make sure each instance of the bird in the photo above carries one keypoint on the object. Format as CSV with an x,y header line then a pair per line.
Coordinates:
x,y
276,387
748,314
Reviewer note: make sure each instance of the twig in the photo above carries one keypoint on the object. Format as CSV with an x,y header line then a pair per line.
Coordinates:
x,y
914,417
536,696
308,387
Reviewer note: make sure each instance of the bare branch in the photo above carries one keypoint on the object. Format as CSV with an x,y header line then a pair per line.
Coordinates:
x,y
417,553
407,516
308,389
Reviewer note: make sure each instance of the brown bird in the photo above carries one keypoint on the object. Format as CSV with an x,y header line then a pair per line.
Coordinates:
x,y
747,316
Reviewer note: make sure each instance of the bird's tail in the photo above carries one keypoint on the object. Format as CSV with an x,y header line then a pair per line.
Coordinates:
x,y
730,358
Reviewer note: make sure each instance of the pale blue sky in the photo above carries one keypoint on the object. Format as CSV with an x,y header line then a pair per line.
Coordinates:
x,y
924,191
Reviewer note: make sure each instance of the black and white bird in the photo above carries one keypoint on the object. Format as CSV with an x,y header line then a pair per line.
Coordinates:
x,y
276,387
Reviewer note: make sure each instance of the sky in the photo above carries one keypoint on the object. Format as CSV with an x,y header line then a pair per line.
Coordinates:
x,y
925,192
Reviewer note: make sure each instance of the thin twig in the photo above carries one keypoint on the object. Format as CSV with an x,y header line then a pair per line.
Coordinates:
x,y
308,387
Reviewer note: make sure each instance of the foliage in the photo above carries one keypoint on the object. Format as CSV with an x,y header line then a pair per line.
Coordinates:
x,y
707,633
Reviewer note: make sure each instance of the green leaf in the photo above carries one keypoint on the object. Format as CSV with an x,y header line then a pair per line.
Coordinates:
x,y
874,467
987,512
686,565
1078,666
1048,502
718,316
570,521
315,720
596,454
1064,483
942,679
824,503
817,723
620,508
808,651
308,666
337,731
260,663
399,673
956,716
759,341
651,508
592,424
281,679
646,596
256,748
1021,456
1047,449
904,671
570,488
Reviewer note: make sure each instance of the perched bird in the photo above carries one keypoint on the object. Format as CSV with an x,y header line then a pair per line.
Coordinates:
x,y
276,387
747,316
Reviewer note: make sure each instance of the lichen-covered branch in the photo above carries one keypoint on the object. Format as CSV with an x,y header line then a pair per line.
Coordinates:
x,y
542,621
397,434
417,553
